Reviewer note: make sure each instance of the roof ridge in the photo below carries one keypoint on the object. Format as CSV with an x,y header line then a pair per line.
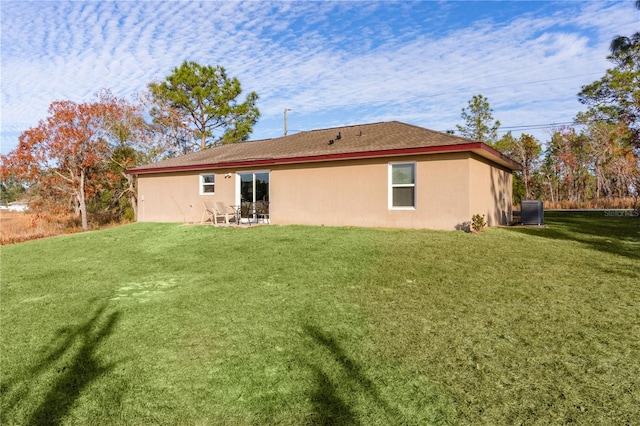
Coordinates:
x,y
346,126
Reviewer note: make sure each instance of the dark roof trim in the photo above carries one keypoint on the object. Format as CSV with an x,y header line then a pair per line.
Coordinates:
x,y
478,147
506,161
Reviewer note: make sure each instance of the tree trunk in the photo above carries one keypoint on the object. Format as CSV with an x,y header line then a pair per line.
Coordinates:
x,y
133,199
551,191
598,180
134,207
82,204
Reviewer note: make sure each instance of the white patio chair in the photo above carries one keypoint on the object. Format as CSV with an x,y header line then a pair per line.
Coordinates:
x,y
222,210
208,214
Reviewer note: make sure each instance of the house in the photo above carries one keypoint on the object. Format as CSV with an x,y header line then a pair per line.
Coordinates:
x,y
388,174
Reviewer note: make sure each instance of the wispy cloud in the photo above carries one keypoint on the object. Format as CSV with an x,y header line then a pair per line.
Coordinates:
x,y
333,63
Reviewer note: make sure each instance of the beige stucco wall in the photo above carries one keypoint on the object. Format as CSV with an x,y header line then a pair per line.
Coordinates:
x,y
356,193
175,197
449,189
490,191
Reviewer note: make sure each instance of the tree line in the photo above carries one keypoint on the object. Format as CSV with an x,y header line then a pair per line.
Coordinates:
x,y
598,158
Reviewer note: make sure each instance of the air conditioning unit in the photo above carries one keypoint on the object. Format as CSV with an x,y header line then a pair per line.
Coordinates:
x,y
532,212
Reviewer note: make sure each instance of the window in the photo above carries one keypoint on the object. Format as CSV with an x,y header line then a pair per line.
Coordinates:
x,y
207,184
402,188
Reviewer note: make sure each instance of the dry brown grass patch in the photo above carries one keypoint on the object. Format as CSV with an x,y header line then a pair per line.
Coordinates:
x,y
602,203
16,227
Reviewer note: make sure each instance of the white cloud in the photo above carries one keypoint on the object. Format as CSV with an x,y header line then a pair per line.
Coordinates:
x,y
331,62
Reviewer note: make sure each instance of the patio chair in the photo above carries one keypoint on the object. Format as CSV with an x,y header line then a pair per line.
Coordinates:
x,y
208,214
222,210
246,210
262,210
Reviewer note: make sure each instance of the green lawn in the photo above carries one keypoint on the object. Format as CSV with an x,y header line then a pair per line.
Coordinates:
x,y
168,324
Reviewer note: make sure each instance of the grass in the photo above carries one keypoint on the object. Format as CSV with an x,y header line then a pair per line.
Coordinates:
x,y
167,324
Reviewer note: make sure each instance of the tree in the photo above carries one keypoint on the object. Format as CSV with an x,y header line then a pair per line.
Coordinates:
x,y
479,123
623,46
616,96
197,106
67,156
613,120
526,151
131,142
169,127
566,166
62,151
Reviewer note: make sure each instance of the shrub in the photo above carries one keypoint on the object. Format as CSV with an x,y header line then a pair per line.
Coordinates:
x,y
477,223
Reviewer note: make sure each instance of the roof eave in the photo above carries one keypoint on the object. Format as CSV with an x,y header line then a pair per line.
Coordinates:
x,y
477,147
497,157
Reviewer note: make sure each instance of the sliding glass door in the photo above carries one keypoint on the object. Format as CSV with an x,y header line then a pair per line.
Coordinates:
x,y
254,190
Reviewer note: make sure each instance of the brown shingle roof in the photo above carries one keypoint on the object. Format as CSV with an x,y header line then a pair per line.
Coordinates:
x,y
366,140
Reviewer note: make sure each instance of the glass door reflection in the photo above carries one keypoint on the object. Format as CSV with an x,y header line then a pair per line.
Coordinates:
x,y
254,188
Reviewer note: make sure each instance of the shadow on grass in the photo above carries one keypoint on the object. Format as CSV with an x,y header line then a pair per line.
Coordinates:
x,y
80,369
614,235
331,408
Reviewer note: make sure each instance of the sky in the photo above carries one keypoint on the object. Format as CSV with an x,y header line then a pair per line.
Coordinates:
x,y
331,63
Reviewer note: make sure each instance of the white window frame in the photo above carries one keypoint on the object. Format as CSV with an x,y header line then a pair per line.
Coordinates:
x,y
413,185
202,183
